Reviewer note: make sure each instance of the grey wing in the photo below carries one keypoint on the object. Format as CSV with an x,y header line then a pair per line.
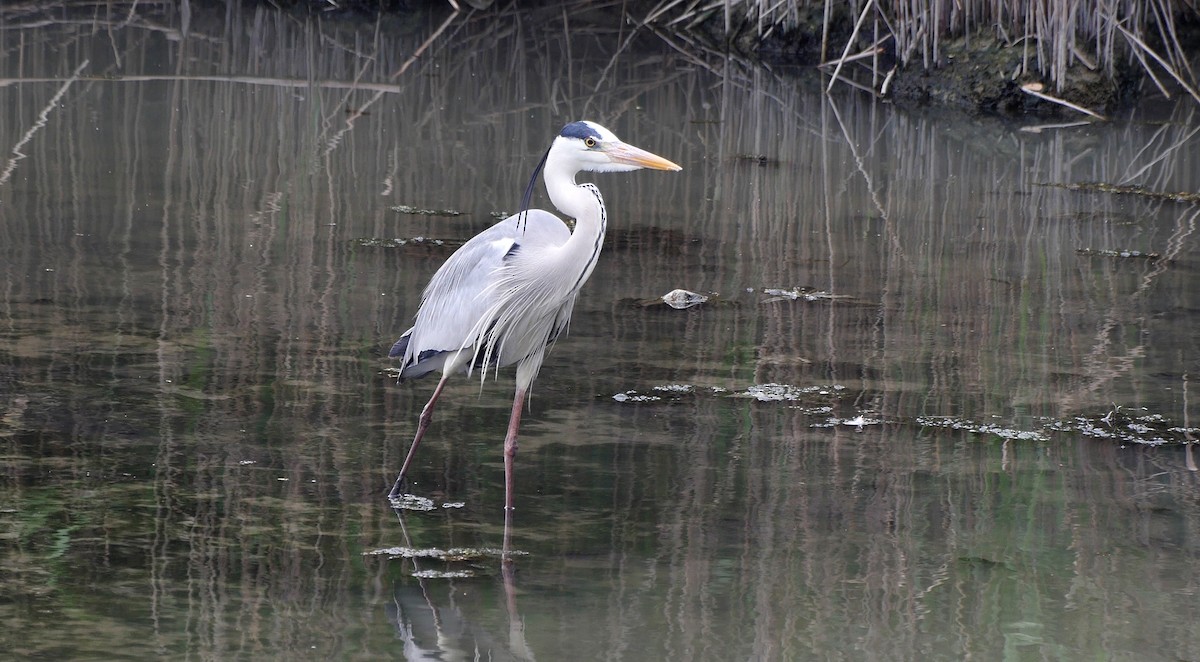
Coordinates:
x,y
462,292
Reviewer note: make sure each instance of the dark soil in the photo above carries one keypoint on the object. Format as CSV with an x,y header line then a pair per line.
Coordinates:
x,y
987,77
977,75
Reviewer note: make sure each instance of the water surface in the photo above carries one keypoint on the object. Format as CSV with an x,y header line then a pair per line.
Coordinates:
x,y
974,448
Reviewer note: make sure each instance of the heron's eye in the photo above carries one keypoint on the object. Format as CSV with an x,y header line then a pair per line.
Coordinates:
x,y
589,142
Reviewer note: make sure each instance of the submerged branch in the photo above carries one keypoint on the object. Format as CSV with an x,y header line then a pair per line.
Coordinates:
x,y
1102,187
244,80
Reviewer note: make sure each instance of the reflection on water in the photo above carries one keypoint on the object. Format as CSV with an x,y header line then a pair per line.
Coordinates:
x,y
200,282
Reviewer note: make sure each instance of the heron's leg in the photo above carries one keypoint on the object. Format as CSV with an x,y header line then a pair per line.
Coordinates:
x,y
510,454
510,447
505,557
422,425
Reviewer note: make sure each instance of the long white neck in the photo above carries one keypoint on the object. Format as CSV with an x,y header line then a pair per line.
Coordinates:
x,y
583,203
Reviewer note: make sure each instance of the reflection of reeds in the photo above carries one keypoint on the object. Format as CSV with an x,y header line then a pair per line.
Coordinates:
x,y
43,116
910,243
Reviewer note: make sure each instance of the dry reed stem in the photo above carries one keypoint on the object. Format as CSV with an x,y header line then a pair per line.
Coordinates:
x,y
871,51
887,81
1032,90
662,8
1135,40
850,42
1162,89
425,45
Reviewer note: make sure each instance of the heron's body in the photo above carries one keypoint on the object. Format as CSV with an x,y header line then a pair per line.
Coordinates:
x,y
482,310
504,296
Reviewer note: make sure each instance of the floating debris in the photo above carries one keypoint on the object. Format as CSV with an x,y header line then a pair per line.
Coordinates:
x,y
680,299
382,242
670,392
408,209
760,160
1127,426
411,502
1118,254
443,574
776,392
454,554
675,388
806,293
954,423
1130,427
1009,433
420,503
634,396
1119,425
1182,196
858,422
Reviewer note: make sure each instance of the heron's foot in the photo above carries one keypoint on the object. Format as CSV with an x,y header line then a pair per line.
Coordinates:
x,y
397,488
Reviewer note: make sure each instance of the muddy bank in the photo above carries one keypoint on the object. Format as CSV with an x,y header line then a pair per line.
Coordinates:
x,y
986,76
978,73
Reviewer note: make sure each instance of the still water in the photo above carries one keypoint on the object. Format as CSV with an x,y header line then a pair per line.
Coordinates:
x,y
935,408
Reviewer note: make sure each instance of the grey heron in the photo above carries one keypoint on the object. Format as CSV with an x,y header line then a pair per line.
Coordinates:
x,y
507,294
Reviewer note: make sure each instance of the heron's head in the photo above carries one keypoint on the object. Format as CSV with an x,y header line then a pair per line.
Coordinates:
x,y
589,146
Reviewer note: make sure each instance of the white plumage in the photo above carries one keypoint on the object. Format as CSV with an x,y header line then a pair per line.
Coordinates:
x,y
481,308
506,294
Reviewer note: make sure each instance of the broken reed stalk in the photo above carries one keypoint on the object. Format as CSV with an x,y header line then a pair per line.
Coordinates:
x,y
850,42
1034,89
871,51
